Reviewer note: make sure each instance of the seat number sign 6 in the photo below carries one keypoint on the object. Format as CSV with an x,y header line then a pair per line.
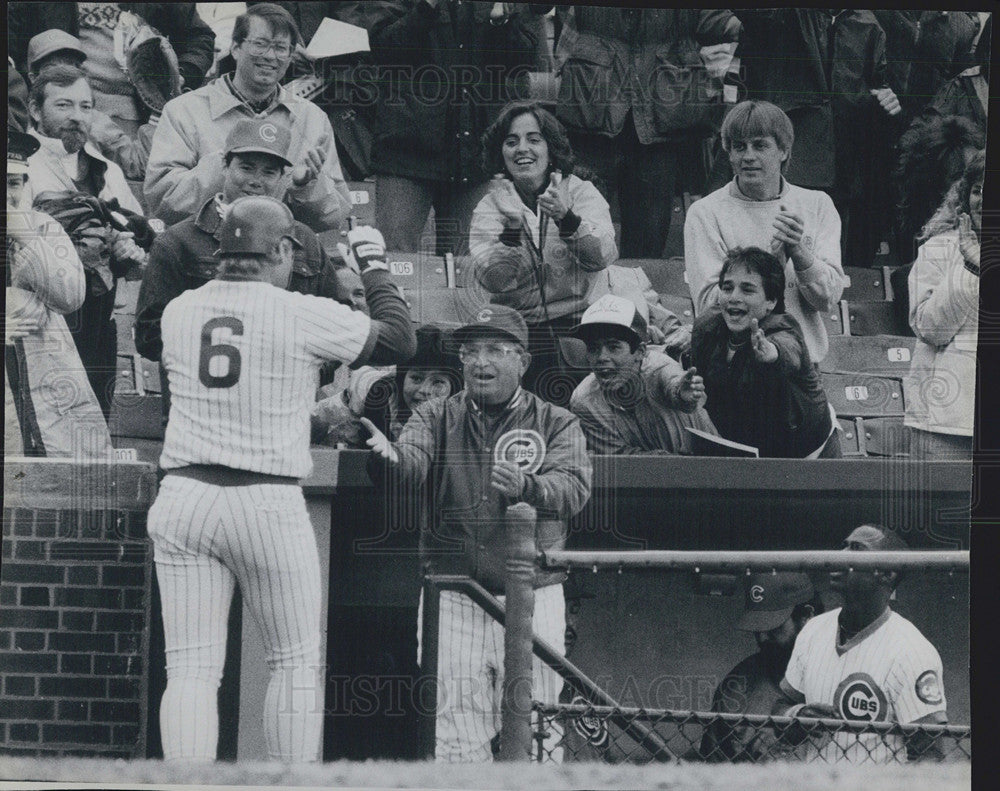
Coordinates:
x,y
219,363
401,267
856,393
898,354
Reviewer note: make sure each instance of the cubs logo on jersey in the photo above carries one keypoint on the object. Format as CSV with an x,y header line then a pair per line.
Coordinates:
x,y
859,698
591,727
523,447
928,688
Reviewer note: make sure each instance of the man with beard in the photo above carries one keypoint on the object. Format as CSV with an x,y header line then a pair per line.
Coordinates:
x,y
635,401
61,105
777,607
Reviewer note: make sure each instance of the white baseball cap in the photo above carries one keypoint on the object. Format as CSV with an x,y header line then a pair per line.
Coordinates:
x,y
614,311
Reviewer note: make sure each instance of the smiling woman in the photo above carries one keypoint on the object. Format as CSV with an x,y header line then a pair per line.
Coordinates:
x,y
539,237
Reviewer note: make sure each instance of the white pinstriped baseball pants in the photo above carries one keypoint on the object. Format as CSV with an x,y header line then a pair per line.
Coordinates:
x,y
207,539
471,674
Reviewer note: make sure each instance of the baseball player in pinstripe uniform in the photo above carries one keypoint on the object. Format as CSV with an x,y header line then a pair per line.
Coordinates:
x,y
865,663
243,356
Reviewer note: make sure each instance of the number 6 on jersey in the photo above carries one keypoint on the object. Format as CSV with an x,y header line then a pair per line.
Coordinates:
x,y
213,351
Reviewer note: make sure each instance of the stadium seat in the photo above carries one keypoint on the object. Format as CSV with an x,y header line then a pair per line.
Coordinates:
x,y
363,201
888,355
147,375
416,270
885,436
850,443
666,274
866,285
681,306
863,395
134,415
871,318
446,307
834,321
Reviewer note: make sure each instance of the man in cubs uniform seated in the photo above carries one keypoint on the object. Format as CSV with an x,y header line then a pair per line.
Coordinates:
x,y
865,663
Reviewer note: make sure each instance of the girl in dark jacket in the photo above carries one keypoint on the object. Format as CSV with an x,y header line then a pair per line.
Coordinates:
x,y
763,389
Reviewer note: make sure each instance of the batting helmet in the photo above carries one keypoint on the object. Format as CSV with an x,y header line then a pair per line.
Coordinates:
x,y
253,224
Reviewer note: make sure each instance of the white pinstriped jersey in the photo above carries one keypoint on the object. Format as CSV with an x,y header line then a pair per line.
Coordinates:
x,y
243,364
888,672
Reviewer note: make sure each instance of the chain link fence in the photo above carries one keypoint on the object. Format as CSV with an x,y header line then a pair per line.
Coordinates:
x,y
599,733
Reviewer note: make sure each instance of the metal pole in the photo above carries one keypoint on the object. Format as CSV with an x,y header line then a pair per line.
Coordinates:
x,y
739,561
515,704
427,697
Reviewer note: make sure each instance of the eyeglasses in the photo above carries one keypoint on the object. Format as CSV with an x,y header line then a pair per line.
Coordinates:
x,y
491,352
259,46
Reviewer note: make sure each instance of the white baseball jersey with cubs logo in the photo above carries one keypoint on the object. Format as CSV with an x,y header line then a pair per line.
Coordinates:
x,y
243,362
888,672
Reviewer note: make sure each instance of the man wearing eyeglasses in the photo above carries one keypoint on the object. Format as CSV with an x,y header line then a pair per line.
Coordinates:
x,y
186,161
490,446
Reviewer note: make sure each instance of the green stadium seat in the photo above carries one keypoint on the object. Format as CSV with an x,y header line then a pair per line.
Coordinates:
x,y
849,437
134,415
885,436
888,355
363,200
666,274
683,307
871,318
863,395
866,285
834,321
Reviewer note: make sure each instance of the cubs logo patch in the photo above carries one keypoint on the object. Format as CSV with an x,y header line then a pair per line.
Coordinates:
x,y
928,688
590,726
859,698
484,315
268,133
523,447
757,593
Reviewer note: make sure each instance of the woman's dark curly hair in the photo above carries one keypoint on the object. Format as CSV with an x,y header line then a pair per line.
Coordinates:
x,y
561,156
932,158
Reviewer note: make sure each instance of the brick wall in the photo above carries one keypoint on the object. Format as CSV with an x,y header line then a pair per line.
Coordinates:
x,y
74,594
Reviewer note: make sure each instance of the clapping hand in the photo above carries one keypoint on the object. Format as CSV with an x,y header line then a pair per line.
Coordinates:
x,y
692,388
763,349
507,200
124,248
788,230
311,165
887,100
379,442
968,241
508,479
554,201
